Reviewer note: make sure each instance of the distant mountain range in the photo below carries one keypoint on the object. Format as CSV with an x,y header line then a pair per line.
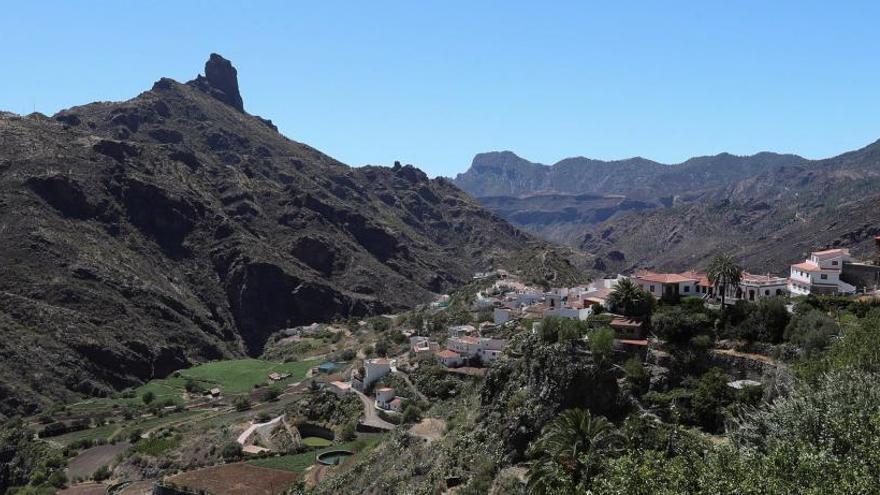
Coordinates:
x,y
139,237
768,209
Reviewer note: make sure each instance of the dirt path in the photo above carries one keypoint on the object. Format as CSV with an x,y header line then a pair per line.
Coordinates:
x,y
85,489
371,416
745,355
88,461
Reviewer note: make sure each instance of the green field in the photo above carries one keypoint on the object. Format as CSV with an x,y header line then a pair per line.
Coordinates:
x,y
300,462
233,377
316,442
238,376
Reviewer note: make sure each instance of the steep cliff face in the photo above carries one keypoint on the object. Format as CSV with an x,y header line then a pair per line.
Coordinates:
x,y
139,237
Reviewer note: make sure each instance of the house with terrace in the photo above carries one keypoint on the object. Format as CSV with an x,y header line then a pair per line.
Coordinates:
x,y
671,285
820,274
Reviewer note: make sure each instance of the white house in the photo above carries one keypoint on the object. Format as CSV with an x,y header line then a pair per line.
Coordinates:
x,y
568,312
485,349
384,396
374,370
753,287
820,274
448,358
501,316
669,284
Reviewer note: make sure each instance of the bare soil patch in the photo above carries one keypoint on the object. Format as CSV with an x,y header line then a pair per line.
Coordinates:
x,y
85,489
236,479
89,460
429,428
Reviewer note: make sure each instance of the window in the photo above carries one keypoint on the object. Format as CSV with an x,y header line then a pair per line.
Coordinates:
x,y
824,276
834,262
687,288
766,292
652,288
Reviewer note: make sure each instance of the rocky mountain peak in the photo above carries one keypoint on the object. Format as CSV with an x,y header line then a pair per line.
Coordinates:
x,y
220,81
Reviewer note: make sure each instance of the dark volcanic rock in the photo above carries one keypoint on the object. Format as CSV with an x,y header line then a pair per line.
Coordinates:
x,y
199,234
221,81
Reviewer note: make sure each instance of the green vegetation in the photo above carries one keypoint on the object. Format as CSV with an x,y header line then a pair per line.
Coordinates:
x,y
300,462
156,446
629,299
239,376
316,442
724,272
569,452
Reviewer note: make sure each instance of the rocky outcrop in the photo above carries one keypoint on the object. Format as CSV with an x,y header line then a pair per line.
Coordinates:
x,y
145,236
220,81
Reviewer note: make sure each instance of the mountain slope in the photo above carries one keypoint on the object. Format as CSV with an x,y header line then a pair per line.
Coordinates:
x,y
560,201
768,220
142,236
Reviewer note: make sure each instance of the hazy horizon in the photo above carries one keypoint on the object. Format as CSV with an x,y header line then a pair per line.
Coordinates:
x,y
372,85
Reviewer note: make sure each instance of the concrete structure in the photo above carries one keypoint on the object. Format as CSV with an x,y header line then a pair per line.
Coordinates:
x,y
754,287
500,316
628,328
339,388
864,276
420,344
459,330
580,314
484,349
820,274
373,371
384,396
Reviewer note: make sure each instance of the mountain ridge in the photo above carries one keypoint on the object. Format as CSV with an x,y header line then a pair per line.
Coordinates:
x,y
644,214
147,235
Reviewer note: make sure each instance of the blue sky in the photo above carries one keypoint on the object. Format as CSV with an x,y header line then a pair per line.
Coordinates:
x,y
434,83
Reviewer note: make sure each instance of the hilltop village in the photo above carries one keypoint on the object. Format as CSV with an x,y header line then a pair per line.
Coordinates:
x,y
328,400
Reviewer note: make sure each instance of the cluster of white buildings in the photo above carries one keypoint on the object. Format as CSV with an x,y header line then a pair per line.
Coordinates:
x,y
465,346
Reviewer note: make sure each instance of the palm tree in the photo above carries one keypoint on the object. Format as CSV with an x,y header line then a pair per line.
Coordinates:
x,y
569,451
628,298
724,272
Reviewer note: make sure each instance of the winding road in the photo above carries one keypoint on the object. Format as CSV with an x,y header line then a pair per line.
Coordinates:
x,y
371,416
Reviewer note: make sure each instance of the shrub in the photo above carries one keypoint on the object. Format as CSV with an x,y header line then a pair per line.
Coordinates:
x,y
231,451
676,325
635,373
101,474
811,331
412,414
241,403
766,321
272,393
148,397
602,344
349,431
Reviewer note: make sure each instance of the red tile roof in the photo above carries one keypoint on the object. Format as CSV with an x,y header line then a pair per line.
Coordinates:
x,y
625,323
701,277
807,267
664,278
446,353
633,342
